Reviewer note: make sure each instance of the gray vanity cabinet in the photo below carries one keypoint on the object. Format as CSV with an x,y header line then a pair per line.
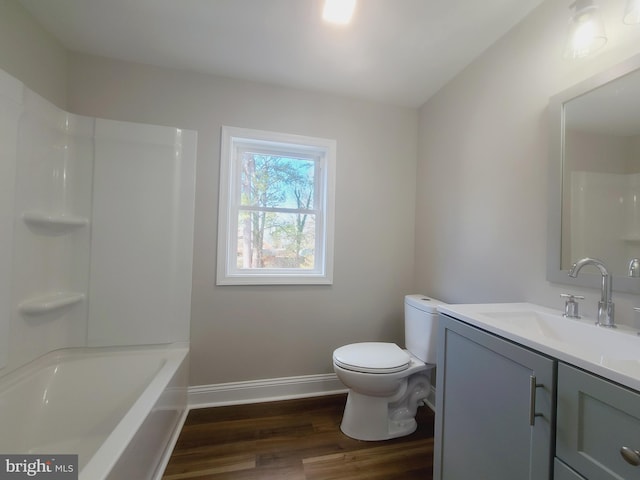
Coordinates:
x,y
596,419
494,407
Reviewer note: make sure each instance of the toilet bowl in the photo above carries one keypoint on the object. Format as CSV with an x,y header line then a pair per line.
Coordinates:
x,y
387,383
381,405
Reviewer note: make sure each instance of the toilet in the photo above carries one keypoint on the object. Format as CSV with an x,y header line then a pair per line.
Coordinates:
x,y
387,383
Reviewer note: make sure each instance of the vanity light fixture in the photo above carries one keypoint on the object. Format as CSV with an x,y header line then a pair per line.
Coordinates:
x,y
586,30
338,12
632,12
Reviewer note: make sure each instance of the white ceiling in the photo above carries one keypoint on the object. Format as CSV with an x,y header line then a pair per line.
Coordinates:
x,y
395,51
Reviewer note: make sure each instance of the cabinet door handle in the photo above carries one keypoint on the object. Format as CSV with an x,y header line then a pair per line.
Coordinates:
x,y
631,456
532,400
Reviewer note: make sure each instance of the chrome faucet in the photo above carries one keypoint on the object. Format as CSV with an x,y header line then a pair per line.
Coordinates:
x,y
634,268
605,305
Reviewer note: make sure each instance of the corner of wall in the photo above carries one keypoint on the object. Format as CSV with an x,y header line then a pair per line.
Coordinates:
x,y
40,62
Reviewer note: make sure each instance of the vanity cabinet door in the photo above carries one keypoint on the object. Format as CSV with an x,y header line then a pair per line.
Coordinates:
x,y
494,407
596,419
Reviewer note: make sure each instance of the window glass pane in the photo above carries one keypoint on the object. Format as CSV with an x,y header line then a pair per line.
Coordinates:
x,y
275,240
271,181
276,208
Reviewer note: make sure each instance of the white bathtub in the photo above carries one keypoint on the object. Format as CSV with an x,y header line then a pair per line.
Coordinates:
x,y
119,409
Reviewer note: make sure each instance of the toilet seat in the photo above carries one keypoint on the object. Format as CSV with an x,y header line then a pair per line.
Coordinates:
x,y
372,357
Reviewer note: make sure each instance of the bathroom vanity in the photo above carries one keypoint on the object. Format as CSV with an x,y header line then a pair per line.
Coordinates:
x,y
523,392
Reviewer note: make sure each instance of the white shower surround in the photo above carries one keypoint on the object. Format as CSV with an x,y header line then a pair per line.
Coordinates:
x,y
96,242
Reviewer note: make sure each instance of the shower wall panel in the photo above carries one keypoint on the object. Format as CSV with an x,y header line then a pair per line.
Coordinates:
x,y
96,229
141,255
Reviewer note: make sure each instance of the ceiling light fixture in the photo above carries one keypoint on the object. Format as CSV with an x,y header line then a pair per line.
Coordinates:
x,y
339,12
632,12
586,30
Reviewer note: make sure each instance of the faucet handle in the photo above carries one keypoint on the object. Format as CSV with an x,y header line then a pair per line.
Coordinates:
x,y
571,307
637,309
572,298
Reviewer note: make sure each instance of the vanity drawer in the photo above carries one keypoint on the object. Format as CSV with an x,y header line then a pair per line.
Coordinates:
x,y
596,418
562,472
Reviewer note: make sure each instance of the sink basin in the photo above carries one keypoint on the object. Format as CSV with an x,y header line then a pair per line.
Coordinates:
x,y
612,353
575,332
553,327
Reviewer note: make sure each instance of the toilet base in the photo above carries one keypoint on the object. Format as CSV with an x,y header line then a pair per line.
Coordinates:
x,y
367,418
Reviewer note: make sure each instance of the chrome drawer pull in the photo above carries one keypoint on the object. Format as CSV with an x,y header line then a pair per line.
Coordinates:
x,y
631,456
532,400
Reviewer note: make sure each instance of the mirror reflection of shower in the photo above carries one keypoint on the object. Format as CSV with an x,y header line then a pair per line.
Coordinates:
x,y
604,219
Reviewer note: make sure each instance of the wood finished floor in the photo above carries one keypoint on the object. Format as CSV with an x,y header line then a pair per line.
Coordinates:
x,y
294,440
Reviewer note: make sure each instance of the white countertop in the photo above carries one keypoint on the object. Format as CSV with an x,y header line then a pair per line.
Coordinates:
x,y
611,353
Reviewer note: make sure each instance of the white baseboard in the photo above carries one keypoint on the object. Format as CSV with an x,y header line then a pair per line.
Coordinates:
x,y
255,391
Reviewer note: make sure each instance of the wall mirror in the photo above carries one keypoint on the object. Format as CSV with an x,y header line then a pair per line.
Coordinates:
x,y
594,201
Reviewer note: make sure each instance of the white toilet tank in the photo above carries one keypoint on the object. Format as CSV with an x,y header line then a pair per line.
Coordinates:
x,y
421,326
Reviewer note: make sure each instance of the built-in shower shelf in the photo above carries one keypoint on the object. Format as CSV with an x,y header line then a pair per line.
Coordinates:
x,y
58,223
50,302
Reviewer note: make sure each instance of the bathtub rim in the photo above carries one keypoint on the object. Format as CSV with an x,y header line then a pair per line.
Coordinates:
x,y
112,449
58,355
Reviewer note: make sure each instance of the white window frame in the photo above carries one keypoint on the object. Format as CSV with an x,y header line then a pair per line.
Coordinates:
x,y
323,151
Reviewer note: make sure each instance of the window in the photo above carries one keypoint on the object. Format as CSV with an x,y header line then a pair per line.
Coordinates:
x,y
276,208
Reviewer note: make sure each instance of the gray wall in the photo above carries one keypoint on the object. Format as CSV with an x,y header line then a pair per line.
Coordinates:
x,y
31,54
242,332
482,165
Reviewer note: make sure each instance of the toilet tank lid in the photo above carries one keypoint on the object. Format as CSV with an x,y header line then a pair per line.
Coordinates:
x,y
423,302
372,357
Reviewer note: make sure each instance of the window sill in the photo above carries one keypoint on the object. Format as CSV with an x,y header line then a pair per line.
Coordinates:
x,y
257,279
